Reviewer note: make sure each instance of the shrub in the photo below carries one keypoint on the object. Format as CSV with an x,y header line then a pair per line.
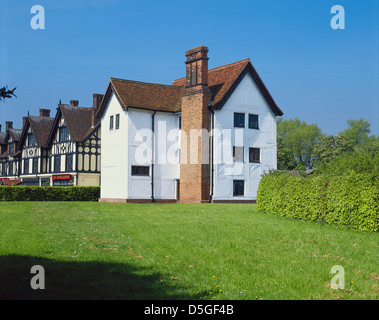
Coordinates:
x,y
24,193
292,196
353,200
349,200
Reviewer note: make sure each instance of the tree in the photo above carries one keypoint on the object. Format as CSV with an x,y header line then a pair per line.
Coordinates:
x,y
331,146
5,93
357,132
286,158
296,144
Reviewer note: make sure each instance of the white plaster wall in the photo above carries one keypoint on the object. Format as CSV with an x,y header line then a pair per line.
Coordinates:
x,y
166,165
114,153
139,152
247,99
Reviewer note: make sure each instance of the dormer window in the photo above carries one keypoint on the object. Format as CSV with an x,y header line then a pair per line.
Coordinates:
x,y
63,134
11,148
31,140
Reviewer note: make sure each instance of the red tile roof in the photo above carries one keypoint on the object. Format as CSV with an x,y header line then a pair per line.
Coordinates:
x,y
223,80
220,79
148,95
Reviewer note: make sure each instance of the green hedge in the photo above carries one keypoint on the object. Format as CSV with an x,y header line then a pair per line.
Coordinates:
x,y
351,200
23,193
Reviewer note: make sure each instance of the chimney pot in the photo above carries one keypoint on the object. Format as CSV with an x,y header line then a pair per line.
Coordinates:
x,y
74,103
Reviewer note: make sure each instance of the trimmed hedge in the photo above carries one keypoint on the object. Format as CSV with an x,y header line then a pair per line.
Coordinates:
x,y
350,200
24,193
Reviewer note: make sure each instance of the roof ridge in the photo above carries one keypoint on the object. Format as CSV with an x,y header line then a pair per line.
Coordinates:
x,y
220,67
41,117
142,82
229,64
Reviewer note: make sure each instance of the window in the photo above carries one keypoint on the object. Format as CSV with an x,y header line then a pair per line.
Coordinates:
x,y
26,166
11,168
69,162
57,163
11,148
63,183
45,182
31,140
238,188
63,134
117,121
111,123
238,154
140,170
30,182
254,155
239,120
4,169
253,121
35,165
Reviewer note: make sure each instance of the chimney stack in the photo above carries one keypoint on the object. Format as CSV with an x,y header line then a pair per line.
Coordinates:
x,y
74,103
197,67
194,158
97,98
8,125
0,127
44,112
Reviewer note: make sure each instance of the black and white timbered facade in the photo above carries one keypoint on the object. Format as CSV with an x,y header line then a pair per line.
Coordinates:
x,y
74,159
9,156
60,151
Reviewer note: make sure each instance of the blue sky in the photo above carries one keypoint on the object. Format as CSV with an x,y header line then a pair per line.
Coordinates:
x,y
315,73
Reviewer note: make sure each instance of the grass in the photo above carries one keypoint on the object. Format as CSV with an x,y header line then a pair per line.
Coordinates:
x,y
178,251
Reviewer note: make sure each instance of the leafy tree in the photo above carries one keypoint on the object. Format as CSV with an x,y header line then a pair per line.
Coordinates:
x,y
331,146
6,93
357,132
286,158
296,144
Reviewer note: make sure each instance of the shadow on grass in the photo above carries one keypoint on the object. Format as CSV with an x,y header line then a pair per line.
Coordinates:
x,y
83,280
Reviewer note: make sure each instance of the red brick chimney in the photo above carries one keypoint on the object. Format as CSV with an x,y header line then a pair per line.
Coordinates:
x,y
97,98
197,67
195,175
8,125
44,112
74,103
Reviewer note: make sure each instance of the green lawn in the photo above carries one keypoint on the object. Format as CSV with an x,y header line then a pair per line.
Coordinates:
x,y
178,251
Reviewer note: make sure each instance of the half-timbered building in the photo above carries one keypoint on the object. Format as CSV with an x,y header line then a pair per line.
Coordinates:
x,y
74,145
64,150
10,157
34,163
